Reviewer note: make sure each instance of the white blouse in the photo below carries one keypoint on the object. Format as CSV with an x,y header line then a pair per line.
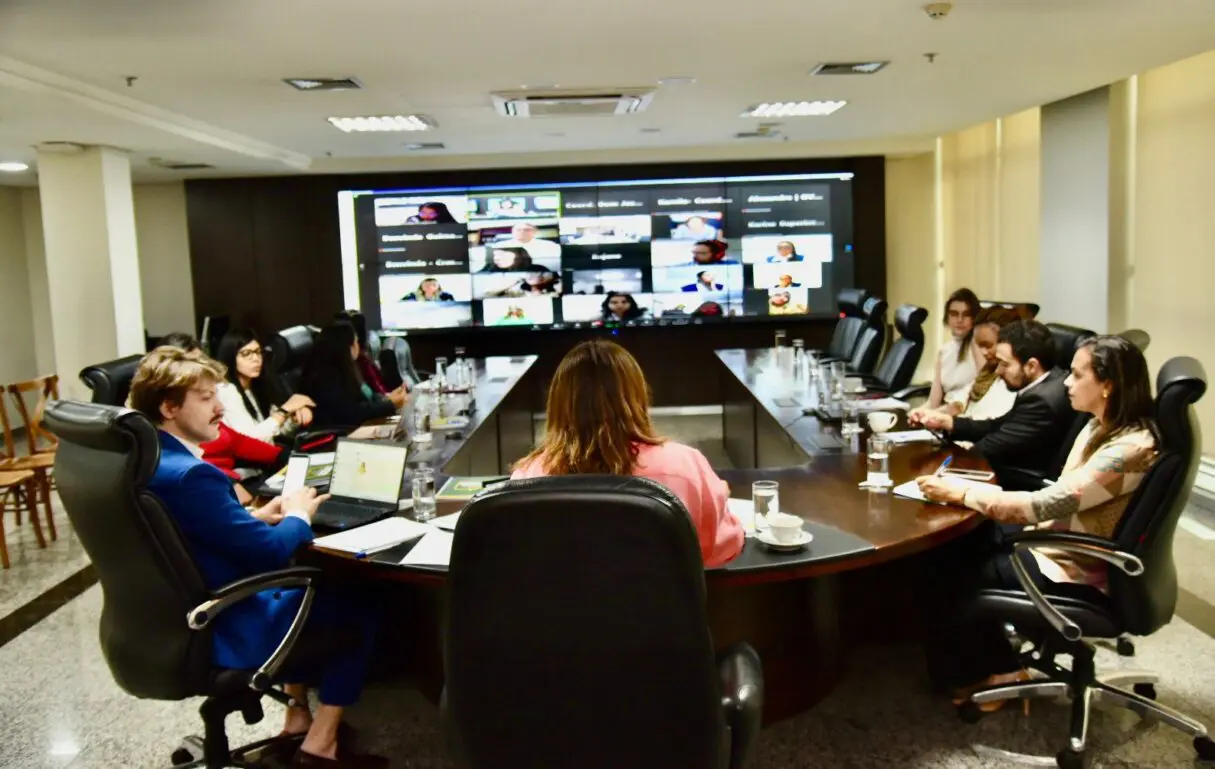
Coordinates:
x,y
995,403
237,417
957,376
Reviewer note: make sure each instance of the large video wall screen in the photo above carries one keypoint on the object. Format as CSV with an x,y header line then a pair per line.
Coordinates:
x,y
639,253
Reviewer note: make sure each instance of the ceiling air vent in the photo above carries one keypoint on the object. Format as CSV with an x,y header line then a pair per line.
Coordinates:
x,y
422,146
604,102
849,68
764,131
323,83
173,165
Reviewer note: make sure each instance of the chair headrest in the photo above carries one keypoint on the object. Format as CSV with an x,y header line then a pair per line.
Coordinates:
x,y
100,427
110,381
850,301
1181,382
292,347
909,320
1024,310
874,310
1067,339
1137,337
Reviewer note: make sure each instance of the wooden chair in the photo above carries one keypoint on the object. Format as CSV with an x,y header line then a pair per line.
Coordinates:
x,y
20,486
41,458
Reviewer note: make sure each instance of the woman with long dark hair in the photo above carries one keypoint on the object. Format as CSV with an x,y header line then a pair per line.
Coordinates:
x,y
620,306
250,404
369,370
599,422
989,396
957,361
332,380
432,213
1109,380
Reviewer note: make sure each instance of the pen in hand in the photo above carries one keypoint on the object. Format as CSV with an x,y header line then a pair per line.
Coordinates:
x,y
941,470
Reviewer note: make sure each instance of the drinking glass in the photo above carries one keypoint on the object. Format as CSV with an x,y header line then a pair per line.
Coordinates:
x,y
839,372
851,423
878,461
422,484
440,373
781,334
765,497
420,416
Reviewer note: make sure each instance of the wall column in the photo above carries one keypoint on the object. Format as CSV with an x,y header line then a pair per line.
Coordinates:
x,y
92,262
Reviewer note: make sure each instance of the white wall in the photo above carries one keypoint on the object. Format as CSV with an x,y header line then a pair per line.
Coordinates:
x,y
1075,229
164,258
27,343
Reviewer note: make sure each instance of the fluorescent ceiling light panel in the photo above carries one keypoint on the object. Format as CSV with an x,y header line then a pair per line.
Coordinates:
x,y
14,167
383,123
794,109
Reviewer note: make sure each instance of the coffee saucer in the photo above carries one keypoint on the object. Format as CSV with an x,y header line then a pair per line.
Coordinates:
x,y
804,538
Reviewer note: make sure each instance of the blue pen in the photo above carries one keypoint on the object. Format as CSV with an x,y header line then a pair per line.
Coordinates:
x,y
945,464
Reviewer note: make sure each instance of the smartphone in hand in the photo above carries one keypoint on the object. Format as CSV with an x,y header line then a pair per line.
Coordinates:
x,y
297,474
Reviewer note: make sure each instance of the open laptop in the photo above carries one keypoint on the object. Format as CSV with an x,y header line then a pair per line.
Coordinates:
x,y
365,484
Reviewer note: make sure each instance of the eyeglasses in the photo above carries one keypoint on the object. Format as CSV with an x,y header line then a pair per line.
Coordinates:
x,y
247,354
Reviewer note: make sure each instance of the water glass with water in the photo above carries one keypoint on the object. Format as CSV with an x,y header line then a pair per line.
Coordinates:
x,y
422,484
440,373
878,461
420,415
851,416
765,498
458,375
839,372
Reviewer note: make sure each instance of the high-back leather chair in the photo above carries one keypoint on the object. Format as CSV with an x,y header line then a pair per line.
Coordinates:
x,y
396,355
848,328
111,381
1137,337
576,634
154,624
290,349
899,364
1024,310
869,344
1142,585
1067,340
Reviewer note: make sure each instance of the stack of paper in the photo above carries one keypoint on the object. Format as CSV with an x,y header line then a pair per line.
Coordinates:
x,y
899,437
432,550
446,522
374,537
882,404
911,489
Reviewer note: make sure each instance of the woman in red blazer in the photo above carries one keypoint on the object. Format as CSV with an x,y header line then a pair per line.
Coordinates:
x,y
232,448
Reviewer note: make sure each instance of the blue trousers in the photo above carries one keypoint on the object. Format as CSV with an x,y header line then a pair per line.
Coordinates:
x,y
335,648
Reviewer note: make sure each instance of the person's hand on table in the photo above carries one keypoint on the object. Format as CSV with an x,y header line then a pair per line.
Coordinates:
x,y
935,420
271,512
915,417
398,396
304,501
303,416
939,489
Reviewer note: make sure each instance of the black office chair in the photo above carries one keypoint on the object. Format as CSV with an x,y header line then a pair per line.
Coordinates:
x,y
1137,337
849,327
1067,340
576,634
289,350
1024,310
154,625
397,355
1142,590
111,381
872,339
390,372
898,366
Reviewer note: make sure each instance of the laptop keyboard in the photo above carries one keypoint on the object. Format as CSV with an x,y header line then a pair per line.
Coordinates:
x,y
347,510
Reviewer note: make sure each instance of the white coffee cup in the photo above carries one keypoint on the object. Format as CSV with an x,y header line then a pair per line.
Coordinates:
x,y
785,528
881,421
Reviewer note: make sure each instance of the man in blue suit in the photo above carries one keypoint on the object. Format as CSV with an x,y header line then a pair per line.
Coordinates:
x,y
176,390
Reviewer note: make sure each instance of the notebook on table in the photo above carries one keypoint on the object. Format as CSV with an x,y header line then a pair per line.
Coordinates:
x,y
365,484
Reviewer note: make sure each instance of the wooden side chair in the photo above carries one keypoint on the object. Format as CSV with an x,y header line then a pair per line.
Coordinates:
x,y
19,486
41,458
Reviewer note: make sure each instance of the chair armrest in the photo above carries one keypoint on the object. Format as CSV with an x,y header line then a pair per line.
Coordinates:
x,y
311,440
235,592
1070,542
921,390
742,699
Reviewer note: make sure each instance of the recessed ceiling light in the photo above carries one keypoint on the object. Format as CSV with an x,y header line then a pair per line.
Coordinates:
x,y
849,68
323,83
677,80
14,167
793,109
383,123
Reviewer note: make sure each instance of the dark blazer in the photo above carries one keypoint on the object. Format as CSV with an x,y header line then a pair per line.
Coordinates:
x,y
337,408
228,544
1028,437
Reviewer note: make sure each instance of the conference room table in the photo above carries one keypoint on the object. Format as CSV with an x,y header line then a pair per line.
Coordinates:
x,y
857,581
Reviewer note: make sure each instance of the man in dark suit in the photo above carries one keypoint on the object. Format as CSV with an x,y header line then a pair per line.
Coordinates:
x,y
176,390
1030,436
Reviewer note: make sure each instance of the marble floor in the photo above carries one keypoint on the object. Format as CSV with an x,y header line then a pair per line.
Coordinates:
x,y
60,708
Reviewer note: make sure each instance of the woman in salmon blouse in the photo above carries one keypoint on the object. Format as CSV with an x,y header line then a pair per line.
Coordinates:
x,y
599,422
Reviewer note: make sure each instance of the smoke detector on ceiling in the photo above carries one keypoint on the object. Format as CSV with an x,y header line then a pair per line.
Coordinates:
x,y
584,102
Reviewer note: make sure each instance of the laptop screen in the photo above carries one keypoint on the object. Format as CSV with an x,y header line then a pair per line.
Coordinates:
x,y
371,471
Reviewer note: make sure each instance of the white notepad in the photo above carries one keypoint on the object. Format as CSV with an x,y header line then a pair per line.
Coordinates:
x,y
899,437
882,404
434,549
744,511
911,489
446,522
374,537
